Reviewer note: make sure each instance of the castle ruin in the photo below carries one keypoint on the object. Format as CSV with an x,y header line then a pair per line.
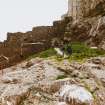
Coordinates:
x,y
21,45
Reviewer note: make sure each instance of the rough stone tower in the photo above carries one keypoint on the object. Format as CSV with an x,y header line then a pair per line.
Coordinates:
x,y
80,8
74,8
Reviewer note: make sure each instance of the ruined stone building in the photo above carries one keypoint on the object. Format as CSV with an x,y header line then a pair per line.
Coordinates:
x,y
3,61
19,45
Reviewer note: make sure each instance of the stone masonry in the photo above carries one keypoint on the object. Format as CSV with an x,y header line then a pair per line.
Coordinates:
x,y
21,45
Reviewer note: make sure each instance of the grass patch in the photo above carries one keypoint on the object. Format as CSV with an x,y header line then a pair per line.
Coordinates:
x,y
47,53
80,52
61,77
44,54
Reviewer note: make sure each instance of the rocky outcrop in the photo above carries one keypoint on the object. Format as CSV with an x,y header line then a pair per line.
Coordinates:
x,y
37,84
75,95
18,81
90,28
90,31
80,9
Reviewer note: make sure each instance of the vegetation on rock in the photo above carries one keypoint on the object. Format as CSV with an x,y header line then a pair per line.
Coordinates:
x,y
80,52
61,77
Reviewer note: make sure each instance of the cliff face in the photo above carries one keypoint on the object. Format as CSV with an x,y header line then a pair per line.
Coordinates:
x,y
82,8
90,28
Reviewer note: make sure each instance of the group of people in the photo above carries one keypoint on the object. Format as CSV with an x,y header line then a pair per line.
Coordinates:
x,y
63,46
66,48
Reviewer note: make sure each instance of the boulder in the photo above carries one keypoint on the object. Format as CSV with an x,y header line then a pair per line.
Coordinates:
x,y
75,95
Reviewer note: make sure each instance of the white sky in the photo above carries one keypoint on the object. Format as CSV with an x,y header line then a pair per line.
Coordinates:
x,y
22,15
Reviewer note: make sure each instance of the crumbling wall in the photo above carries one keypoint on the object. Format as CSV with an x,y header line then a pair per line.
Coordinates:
x,y
12,47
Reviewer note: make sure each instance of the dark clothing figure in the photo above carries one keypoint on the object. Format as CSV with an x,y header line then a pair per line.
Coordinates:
x,y
69,50
67,45
66,48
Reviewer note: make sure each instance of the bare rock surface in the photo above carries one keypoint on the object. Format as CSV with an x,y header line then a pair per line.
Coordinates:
x,y
38,84
73,94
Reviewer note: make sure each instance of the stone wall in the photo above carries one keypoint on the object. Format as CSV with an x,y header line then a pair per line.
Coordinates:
x,y
12,47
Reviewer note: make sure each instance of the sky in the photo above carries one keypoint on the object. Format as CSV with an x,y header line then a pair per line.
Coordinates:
x,y
22,15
